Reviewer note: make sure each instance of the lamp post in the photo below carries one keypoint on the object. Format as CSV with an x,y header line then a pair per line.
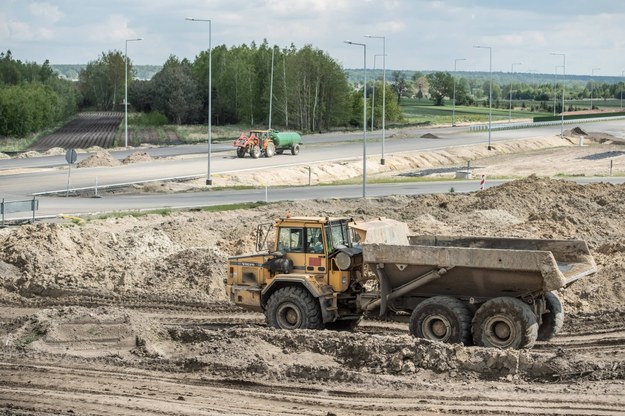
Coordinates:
x,y
373,93
382,161
622,75
364,118
592,84
453,111
490,90
126,90
563,79
555,86
209,180
511,72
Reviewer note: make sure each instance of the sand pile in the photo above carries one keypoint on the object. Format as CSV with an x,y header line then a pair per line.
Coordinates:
x,y
99,159
137,157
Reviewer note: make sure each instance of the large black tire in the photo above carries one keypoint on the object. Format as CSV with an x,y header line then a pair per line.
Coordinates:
x,y
279,151
505,323
343,325
553,319
255,152
442,318
270,150
240,151
293,308
295,149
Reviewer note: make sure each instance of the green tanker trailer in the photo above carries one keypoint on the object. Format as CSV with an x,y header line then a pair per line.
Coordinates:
x,y
266,143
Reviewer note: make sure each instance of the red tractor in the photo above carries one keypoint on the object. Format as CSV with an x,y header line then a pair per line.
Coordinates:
x,y
267,143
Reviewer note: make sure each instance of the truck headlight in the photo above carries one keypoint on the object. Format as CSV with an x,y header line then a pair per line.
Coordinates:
x,y
343,261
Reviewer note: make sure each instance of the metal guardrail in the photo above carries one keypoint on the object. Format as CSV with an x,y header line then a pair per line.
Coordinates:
x,y
512,126
9,207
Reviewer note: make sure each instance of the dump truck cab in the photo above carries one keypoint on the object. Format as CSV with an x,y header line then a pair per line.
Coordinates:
x,y
306,273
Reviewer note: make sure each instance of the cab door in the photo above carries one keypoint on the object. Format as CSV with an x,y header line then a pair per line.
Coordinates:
x,y
316,255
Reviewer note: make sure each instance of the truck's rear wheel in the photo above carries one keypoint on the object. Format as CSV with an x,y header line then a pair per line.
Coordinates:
x,y
505,323
270,150
442,318
295,149
240,151
552,320
255,152
293,308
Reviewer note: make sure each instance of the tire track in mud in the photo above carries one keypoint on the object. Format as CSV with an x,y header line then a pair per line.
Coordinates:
x,y
582,335
68,388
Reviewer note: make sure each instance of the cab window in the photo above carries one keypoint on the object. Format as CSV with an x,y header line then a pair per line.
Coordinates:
x,y
291,240
314,240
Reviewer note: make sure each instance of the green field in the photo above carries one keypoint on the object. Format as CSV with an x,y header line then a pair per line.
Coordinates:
x,y
422,111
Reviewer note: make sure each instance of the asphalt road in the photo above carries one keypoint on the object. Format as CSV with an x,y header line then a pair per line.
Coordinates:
x,y
21,178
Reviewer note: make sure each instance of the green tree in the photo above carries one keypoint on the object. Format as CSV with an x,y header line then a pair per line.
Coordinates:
x,y
102,82
441,86
400,85
175,92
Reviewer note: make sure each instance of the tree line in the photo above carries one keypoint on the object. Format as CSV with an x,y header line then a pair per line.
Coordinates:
x,y
439,87
32,97
309,89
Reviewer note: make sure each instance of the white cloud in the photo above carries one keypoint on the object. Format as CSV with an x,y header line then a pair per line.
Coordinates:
x,y
114,27
46,11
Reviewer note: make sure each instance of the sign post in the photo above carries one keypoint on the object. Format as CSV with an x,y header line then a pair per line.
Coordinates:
x,y
71,156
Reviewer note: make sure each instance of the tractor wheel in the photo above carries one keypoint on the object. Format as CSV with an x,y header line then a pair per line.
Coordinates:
x,y
270,150
240,151
505,323
255,152
293,307
442,318
553,319
343,324
295,149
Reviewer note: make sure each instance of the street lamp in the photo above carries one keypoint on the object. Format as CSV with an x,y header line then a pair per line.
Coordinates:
x,y
563,79
364,118
555,86
490,90
622,75
209,180
592,84
373,94
126,90
383,90
453,111
511,72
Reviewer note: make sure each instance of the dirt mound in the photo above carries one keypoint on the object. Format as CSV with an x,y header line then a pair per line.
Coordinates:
x,y
4,156
93,332
301,355
28,154
184,256
56,260
576,130
429,136
137,157
99,159
55,151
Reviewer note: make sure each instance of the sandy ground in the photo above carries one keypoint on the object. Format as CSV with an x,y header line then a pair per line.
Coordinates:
x,y
128,315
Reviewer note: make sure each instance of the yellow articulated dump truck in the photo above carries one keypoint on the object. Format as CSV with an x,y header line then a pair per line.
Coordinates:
x,y
316,273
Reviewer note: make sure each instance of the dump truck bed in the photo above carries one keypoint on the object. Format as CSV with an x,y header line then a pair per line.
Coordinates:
x,y
479,267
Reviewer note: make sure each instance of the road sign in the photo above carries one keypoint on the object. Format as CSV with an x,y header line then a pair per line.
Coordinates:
x,y
71,156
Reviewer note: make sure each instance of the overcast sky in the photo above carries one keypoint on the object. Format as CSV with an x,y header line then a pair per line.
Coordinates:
x,y
420,34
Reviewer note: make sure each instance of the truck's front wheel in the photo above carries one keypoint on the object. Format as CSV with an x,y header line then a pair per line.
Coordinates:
x,y
293,308
442,318
505,323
